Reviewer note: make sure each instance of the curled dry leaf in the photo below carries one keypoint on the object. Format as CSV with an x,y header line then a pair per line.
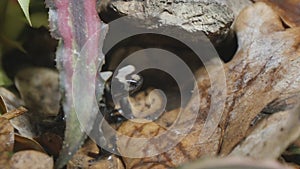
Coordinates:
x,y
234,163
3,107
271,138
265,67
288,10
111,162
6,142
31,159
168,118
82,159
174,157
4,159
51,142
40,91
6,135
11,101
22,123
23,143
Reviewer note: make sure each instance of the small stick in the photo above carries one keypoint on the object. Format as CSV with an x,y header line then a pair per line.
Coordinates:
x,y
14,113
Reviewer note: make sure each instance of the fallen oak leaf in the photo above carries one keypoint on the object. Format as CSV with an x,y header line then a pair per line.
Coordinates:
x,y
81,158
265,66
234,163
288,10
23,143
84,158
6,135
22,122
4,159
10,100
31,159
272,136
3,107
39,90
6,142
183,152
113,162
51,142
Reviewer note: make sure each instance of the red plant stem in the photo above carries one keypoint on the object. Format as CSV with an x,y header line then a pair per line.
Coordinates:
x,y
74,23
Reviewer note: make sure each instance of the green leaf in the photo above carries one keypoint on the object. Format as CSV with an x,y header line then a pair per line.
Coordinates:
x,y
39,19
25,8
11,44
4,80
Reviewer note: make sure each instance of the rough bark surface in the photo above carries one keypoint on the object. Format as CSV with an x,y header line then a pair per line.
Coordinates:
x,y
213,18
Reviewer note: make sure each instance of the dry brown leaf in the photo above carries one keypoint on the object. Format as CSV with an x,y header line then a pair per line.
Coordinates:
x,y
234,163
6,142
31,159
39,90
22,123
187,149
111,162
85,158
126,146
297,143
4,159
10,99
82,159
265,66
288,10
23,143
168,118
51,142
3,107
272,136
6,135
